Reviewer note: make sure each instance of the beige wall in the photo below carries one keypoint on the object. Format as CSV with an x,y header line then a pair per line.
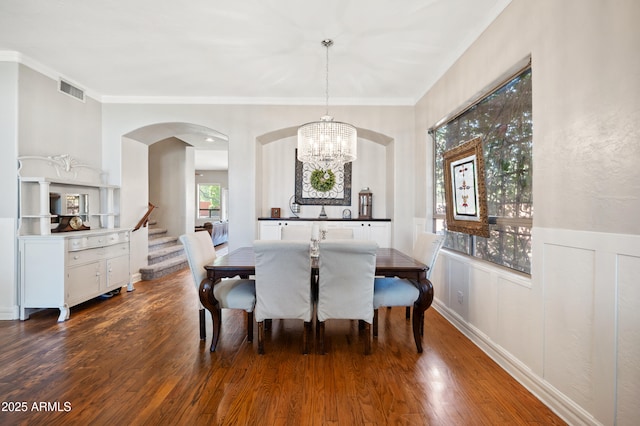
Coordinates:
x,y
585,105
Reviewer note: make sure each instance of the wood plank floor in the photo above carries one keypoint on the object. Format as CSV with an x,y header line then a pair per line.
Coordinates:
x,y
137,359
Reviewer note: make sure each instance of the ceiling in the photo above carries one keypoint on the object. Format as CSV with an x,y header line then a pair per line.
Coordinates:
x,y
249,51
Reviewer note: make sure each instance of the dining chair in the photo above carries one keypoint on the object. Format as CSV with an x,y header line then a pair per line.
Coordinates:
x,y
394,291
229,293
283,285
346,272
338,234
296,233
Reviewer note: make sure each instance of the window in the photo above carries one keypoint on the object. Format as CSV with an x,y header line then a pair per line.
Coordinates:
x,y
503,119
209,200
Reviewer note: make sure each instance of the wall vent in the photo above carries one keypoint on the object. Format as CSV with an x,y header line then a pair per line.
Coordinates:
x,y
71,90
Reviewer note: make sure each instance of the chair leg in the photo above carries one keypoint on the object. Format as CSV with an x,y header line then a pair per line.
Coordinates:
x,y
305,337
203,331
250,326
367,338
375,323
321,337
261,337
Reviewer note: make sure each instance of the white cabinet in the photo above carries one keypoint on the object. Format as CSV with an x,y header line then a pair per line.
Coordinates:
x,y
272,229
63,270
374,230
380,232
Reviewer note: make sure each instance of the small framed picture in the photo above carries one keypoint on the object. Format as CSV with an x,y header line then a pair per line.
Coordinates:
x,y
275,212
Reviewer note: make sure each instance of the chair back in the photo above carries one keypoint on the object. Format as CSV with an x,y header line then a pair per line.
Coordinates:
x,y
296,233
426,249
338,234
283,280
345,279
200,252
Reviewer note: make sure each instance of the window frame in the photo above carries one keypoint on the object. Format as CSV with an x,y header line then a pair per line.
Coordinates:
x,y
219,208
504,224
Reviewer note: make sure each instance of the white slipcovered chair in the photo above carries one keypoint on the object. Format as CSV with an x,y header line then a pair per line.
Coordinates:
x,y
346,273
338,234
229,293
296,233
283,285
394,291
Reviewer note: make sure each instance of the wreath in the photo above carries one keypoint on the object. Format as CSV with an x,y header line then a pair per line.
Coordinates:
x,y
322,180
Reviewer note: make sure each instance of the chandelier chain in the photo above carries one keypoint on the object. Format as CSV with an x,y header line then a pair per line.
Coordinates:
x,y
327,43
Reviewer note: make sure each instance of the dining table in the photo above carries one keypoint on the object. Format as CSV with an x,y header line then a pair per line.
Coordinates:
x,y
390,262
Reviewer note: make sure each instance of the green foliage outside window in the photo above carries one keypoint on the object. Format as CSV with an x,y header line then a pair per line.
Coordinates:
x,y
209,200
503,119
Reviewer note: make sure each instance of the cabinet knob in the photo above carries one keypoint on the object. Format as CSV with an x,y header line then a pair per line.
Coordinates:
x,y
76,257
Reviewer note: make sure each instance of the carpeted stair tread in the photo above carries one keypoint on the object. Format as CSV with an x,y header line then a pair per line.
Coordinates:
x,y
156,232
157,243
164,253
163,268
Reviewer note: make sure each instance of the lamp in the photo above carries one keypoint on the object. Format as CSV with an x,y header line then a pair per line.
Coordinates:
x,y
327,144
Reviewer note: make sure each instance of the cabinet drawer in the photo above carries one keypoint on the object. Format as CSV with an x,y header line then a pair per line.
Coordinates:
x,y
79,257
86,242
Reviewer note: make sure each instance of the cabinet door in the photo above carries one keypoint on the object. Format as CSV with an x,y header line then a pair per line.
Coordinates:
x,y
270,230
358,230
84,282
117,272
380,233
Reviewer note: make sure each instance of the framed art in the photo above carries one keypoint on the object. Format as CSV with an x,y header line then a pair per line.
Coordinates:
x,y
322,187
465,191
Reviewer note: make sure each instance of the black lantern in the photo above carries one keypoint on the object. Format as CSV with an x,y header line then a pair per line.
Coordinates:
x,y
366,202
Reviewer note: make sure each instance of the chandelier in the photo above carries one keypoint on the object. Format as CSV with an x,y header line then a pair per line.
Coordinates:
x,y
327,144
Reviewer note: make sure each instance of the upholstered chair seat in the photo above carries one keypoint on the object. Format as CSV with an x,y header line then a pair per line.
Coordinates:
x,y
394,291
229,293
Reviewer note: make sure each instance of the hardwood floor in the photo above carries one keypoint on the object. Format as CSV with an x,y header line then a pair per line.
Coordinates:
x,y
137,359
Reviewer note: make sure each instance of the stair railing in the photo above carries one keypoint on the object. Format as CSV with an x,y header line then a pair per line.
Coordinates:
x,y
145,218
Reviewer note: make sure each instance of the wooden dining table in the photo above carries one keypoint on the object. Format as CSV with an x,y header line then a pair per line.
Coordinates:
x,y
389,263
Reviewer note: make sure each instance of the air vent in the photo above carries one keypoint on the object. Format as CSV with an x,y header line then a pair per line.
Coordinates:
x,y
71,90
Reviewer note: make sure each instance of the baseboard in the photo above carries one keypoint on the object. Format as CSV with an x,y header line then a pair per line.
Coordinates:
x,y
547,394
9,313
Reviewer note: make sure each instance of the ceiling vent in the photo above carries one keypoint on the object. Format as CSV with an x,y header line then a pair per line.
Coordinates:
x,y
71,90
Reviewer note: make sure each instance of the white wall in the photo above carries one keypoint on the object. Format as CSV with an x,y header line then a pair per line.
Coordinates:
x,y
8,189
570,331
277,179
171,182
244,125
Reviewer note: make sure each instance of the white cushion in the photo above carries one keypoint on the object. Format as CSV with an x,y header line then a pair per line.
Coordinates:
x,y
283,280
345,280
394,292
236,294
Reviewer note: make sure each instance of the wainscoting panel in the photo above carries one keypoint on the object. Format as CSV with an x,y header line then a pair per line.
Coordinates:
x,y
570,333
628,387
569,321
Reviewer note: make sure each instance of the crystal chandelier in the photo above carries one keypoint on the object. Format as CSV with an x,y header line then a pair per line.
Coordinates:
x,y
327,144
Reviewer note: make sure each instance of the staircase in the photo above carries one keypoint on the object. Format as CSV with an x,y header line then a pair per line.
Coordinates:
x,y
166,255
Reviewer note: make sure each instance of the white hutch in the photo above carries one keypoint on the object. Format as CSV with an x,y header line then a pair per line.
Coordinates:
x,y
63,269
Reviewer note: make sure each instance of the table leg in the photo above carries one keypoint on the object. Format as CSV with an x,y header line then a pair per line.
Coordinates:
x,y
419,307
